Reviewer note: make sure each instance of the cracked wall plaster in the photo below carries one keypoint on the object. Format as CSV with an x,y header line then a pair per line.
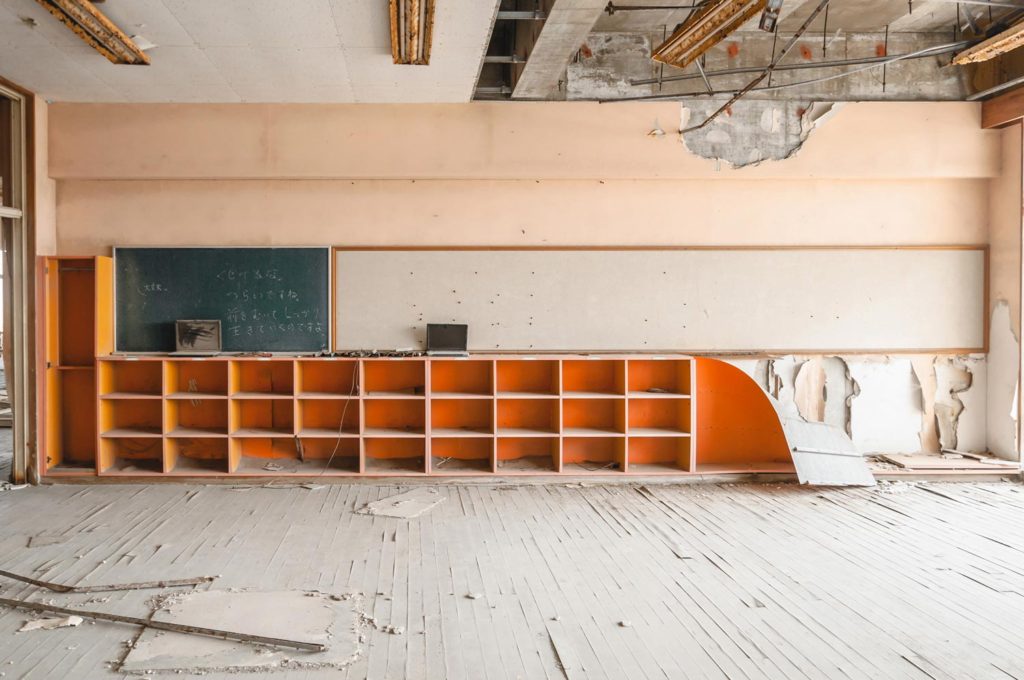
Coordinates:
x,y
912,404
751,130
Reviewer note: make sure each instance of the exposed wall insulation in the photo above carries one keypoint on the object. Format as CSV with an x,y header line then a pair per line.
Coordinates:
x,y
690,300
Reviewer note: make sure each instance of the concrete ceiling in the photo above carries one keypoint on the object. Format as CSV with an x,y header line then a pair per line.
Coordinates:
x,y
247,51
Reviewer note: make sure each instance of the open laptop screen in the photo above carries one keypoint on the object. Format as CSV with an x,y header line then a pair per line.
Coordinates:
x,y
446,337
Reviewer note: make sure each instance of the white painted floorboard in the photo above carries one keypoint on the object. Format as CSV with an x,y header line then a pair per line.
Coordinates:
x,y
712,581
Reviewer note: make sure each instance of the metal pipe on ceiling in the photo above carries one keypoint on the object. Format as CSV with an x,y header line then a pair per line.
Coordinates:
x,y
801,66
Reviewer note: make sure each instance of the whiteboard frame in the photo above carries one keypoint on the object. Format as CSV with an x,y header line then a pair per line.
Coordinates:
x,y
752,353
330,290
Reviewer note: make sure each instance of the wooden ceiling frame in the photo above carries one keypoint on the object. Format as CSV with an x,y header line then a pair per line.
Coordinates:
x,y
705,28
999,44
412,26
99,32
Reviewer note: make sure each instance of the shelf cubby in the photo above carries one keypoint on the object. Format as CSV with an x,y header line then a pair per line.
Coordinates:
x,y
131,456
262,418
593,417
261,379
528,417
196,379
538,455
327,378
323,418
385,455
458,455
330,456
593,378
656,455
132,418
196,418
196,455
130,379
395,379
71,440
267,456
463,378
76,305
653,378
585,455
394,418
659,417
527,378
461,417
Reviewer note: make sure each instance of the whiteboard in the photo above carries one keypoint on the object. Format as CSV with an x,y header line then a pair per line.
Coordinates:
x,y
691,300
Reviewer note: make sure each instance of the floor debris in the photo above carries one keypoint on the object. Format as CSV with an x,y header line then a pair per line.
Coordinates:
x,y
144,585
163,625
51,623
331,624
405,505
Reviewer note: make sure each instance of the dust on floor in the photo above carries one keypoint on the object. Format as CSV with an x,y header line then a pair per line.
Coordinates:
x,y
557,581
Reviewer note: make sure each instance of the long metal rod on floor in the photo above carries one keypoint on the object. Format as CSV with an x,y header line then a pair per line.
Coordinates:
x,y
767,71
163,625
145,585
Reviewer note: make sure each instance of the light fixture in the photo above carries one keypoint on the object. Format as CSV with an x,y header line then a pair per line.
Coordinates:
x,y
770,16
99,32
704,29
412,22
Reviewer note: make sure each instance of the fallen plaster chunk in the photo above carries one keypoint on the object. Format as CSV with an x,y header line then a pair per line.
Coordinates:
x,y
754,130
823,455
405,505
50,623
285,614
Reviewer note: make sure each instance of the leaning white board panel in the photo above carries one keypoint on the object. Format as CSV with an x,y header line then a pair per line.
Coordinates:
x,y
685,300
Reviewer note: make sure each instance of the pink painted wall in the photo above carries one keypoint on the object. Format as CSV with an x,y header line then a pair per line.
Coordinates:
x,y
510,174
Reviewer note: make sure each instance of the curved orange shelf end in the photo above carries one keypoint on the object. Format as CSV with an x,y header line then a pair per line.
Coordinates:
x,y
737,426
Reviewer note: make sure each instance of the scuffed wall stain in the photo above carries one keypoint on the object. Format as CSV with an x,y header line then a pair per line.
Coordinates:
x,y
751,130
1003,370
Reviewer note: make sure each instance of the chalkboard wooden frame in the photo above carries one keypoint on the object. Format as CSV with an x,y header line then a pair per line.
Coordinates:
x,y
324,290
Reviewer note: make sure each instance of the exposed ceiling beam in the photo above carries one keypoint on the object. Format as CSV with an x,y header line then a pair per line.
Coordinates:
x,y
1001,43
704,29
99,32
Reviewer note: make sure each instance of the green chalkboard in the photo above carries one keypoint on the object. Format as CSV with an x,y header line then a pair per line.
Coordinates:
x,y
267,299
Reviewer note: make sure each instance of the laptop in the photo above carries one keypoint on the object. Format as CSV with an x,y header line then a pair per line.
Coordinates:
x,y
447,339
197,337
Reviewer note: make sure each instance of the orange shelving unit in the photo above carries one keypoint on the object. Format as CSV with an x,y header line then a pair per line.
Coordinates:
x,y
76,296
160,415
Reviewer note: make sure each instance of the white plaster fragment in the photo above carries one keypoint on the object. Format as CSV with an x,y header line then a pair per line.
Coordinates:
x,y
405,505
50,623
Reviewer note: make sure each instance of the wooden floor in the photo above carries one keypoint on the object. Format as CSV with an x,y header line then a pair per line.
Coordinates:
x,y
730,581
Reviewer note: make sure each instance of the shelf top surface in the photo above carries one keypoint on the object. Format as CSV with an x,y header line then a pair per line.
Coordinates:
x,y
487,356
